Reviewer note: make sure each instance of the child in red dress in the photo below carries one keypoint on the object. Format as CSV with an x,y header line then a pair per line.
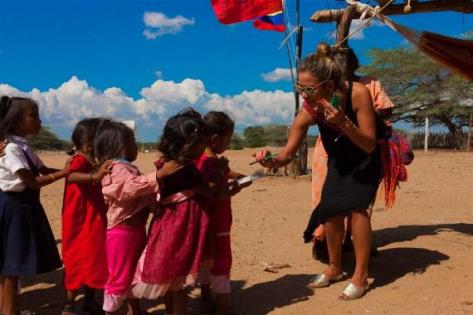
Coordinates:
x,y
219,207
84,221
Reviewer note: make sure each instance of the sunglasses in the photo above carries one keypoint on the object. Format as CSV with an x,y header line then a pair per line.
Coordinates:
x,y
308,89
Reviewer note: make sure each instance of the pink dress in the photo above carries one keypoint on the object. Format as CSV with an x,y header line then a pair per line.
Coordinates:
x,y
128,195
220,213
177,238
381,102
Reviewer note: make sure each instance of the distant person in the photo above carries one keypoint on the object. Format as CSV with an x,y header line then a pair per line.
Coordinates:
x,y
217,278
27,244
348,131
176,244
129,196
382,105
84,221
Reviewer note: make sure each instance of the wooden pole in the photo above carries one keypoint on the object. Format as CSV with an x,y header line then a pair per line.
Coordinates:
x,y
464,6
426,135
468,138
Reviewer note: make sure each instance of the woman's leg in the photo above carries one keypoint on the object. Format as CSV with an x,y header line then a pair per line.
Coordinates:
x,y
10,295
361,231
334,232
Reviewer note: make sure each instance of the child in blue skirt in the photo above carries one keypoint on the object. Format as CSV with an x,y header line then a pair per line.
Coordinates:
x,y
27,244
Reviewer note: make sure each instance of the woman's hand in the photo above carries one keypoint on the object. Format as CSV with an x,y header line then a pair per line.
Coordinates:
x,y
333,115
261,158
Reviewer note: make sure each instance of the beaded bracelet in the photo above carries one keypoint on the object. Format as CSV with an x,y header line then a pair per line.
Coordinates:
x,y
52,177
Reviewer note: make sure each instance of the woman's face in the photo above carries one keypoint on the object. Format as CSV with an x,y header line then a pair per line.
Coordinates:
x,y
311,88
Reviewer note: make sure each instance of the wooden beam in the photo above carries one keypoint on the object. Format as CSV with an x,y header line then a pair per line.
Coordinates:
x,y
464,6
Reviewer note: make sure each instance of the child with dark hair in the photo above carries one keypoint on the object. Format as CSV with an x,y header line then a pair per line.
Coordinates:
x,y
27,245
219,207
84,221
176,243
128,195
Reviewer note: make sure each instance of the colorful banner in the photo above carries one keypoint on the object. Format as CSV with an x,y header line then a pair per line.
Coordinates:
x,y
271,22
234,11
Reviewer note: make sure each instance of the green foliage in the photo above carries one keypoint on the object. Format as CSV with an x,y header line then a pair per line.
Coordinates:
x,y
47,140
237,142
254,137
421,88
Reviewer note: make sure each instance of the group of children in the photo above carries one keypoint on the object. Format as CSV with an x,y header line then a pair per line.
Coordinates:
x,y
107,202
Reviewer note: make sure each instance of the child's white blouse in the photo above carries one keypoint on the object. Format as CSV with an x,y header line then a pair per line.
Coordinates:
x,y
14,160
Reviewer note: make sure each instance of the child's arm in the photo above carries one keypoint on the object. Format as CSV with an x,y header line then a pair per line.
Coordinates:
x,y
123,185
167,169
32,182
235,175
95,177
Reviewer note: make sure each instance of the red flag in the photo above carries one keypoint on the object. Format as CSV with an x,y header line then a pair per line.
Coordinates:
x,y
233,11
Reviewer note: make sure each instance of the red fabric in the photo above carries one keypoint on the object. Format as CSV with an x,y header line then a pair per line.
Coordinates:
x,y
396,153
233,11
83,231
220,214
176,243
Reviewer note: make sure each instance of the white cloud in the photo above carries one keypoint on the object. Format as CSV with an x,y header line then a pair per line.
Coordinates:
x,y
159,24
62,107
278,74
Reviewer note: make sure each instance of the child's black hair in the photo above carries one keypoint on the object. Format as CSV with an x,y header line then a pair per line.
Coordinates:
x,y
219,123
84,131
111,137
181,134
11,109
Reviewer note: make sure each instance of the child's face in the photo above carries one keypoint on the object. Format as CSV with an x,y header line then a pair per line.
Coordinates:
x,y
131,150
87,148
219,143
29,123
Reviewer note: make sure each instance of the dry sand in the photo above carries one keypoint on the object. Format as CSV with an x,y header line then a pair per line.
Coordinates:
x,y
425,242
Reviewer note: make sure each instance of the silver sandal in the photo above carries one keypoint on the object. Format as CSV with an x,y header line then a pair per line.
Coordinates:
x,y
322,281
353,292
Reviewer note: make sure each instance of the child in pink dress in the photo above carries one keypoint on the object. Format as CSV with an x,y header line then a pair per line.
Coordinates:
x,y
177,239
217,278
128,195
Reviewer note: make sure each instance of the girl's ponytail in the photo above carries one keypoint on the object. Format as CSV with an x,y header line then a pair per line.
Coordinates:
x,y
5,102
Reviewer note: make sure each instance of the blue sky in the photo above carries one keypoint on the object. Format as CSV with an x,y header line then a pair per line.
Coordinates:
x,y
145,60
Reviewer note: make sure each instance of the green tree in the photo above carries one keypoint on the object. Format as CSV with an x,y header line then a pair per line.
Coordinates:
x,y
237,142
47,140
421,88
254,137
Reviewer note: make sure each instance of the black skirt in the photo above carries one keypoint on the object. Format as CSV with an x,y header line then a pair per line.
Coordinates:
x,y
27,243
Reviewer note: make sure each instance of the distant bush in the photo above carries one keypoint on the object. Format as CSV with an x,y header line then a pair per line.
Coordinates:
x,y
237,142
254,137
46,140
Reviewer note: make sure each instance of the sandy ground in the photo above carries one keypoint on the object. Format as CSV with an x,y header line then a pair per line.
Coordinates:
x,y
425,243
